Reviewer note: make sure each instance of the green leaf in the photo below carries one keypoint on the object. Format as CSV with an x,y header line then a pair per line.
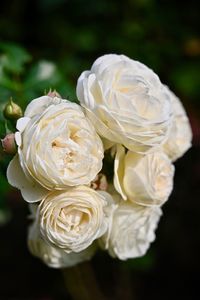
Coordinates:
x,y
43,74
13,57
186,79
143,263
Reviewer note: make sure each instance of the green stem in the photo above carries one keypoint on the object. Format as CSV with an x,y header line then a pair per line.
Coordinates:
x,y
81,283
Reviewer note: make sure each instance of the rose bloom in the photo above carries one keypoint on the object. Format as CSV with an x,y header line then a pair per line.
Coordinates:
x,y
52,256
143,179
125,101
71,220
132,230
180,134
57,147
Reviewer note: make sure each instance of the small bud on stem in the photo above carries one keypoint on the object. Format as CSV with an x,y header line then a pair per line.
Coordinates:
x,y
8,144
12,111
53,94
100,182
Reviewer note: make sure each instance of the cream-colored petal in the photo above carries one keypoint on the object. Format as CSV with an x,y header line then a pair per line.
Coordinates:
x,y
31,191
106,144
109,211
180,133
39,105
148,179
21,123
53,256
60,146
105,62
132,230
125,102
18,138
119,170
71,220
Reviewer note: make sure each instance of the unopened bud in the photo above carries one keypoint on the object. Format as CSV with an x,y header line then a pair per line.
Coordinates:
x,y
12,111
100,182
53,94
8,144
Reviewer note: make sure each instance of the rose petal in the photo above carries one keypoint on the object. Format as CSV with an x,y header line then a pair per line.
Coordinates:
x,y
31,191
125,102
39,105
21,123
18,138
119,170
53,256
132,230
180,133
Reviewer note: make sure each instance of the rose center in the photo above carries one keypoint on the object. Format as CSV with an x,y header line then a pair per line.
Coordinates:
x,y
64,152
74,219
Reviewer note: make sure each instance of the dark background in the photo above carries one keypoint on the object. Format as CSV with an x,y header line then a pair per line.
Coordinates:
x,y
67,36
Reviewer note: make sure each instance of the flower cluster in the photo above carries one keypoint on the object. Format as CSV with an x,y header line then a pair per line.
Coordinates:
x,y
126,114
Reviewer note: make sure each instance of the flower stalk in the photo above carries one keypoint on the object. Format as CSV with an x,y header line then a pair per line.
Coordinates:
x,y
81,283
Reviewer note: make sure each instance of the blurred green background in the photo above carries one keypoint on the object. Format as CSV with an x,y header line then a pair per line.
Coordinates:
x,y
47,44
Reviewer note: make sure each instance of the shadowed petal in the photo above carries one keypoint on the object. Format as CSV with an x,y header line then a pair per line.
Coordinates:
x,y
31,191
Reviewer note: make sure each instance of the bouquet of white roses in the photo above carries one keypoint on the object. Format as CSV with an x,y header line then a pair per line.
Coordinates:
x,y
78,201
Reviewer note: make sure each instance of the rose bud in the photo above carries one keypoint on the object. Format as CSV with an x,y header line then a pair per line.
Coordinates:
x,y
53,94
8,143
12,111
99,183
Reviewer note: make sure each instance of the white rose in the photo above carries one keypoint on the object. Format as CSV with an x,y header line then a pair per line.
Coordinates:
x,y
180,134
125,102
143,179
132,231
73,219
52,256
57,147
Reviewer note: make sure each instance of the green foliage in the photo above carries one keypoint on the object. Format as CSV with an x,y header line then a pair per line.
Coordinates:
x,y
13,58
186,79
24,79
141,264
